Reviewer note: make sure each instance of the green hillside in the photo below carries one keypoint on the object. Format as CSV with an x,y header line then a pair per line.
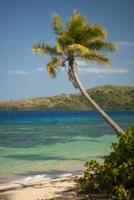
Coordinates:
x,y
108,97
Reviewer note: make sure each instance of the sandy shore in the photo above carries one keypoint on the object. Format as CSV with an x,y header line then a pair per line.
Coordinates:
x,y
64,187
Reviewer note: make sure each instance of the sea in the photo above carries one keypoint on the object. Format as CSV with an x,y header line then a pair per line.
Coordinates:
x,y
54,143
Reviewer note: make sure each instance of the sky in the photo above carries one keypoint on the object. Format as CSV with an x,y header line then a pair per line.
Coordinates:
x,y
22,22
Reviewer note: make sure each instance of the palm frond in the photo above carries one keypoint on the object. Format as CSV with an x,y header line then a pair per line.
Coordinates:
x,y
92,32
42,48
100,45
57,24
74,26
64,40
96,58
51,67
77,49
81,32
59,47
75,21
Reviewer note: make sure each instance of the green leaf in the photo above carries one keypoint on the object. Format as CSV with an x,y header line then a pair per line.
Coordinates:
x,y
41,48
51,67
57,24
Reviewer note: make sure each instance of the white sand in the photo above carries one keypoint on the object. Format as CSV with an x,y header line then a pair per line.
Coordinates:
x,y
40,190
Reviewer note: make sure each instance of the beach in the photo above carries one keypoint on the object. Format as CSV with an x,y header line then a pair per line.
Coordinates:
x,y
41,189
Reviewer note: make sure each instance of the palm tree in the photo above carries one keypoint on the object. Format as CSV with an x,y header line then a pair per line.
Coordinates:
x,y
78,40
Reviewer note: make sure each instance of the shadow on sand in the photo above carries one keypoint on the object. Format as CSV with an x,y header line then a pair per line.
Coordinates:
x,y
4,196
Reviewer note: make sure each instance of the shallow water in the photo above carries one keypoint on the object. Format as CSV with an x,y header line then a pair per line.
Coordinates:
x,y
53,142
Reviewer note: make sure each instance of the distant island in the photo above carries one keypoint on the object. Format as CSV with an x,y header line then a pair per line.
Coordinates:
x,y
108,97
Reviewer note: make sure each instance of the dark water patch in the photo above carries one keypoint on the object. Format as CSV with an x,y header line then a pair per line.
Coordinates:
x,y
9,117
44,116
35,157
32,135
96,157
28,136
26,139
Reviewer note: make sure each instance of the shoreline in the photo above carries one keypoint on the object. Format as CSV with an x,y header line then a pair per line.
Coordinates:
x,y
39,188
36,179
45,175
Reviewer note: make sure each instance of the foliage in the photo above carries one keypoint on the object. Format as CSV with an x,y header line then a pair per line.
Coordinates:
x,y
116,175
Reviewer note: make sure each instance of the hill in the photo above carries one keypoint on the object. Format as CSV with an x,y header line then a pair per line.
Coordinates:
x,y
108,97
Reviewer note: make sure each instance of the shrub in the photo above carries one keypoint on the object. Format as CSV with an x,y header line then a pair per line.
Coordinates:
x,y
116,175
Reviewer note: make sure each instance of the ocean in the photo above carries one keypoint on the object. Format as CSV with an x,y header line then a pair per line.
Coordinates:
x,y
52,143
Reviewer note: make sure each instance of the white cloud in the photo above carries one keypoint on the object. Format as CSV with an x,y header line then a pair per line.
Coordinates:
x,y
84,67
39,69
103,70
18,72
26,72
125,44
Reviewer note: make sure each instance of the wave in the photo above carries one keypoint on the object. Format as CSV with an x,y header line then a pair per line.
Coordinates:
x,y
33,180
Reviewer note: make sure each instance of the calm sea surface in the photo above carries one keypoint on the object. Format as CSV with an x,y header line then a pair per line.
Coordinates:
x,y
54,142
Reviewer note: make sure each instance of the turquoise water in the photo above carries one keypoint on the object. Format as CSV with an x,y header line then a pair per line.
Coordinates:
x,y
54,142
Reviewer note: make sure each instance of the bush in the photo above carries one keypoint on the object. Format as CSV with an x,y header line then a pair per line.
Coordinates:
x,y
116,175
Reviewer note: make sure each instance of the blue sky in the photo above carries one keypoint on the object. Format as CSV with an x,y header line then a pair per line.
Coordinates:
x,y
22,22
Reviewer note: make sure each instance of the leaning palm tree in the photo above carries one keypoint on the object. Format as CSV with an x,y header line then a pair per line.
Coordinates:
x,y
78,40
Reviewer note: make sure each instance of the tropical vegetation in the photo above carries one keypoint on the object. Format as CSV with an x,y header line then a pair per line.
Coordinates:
x,y
115,177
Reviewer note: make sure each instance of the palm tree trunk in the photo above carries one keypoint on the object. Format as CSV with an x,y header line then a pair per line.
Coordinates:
x,y
108,119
